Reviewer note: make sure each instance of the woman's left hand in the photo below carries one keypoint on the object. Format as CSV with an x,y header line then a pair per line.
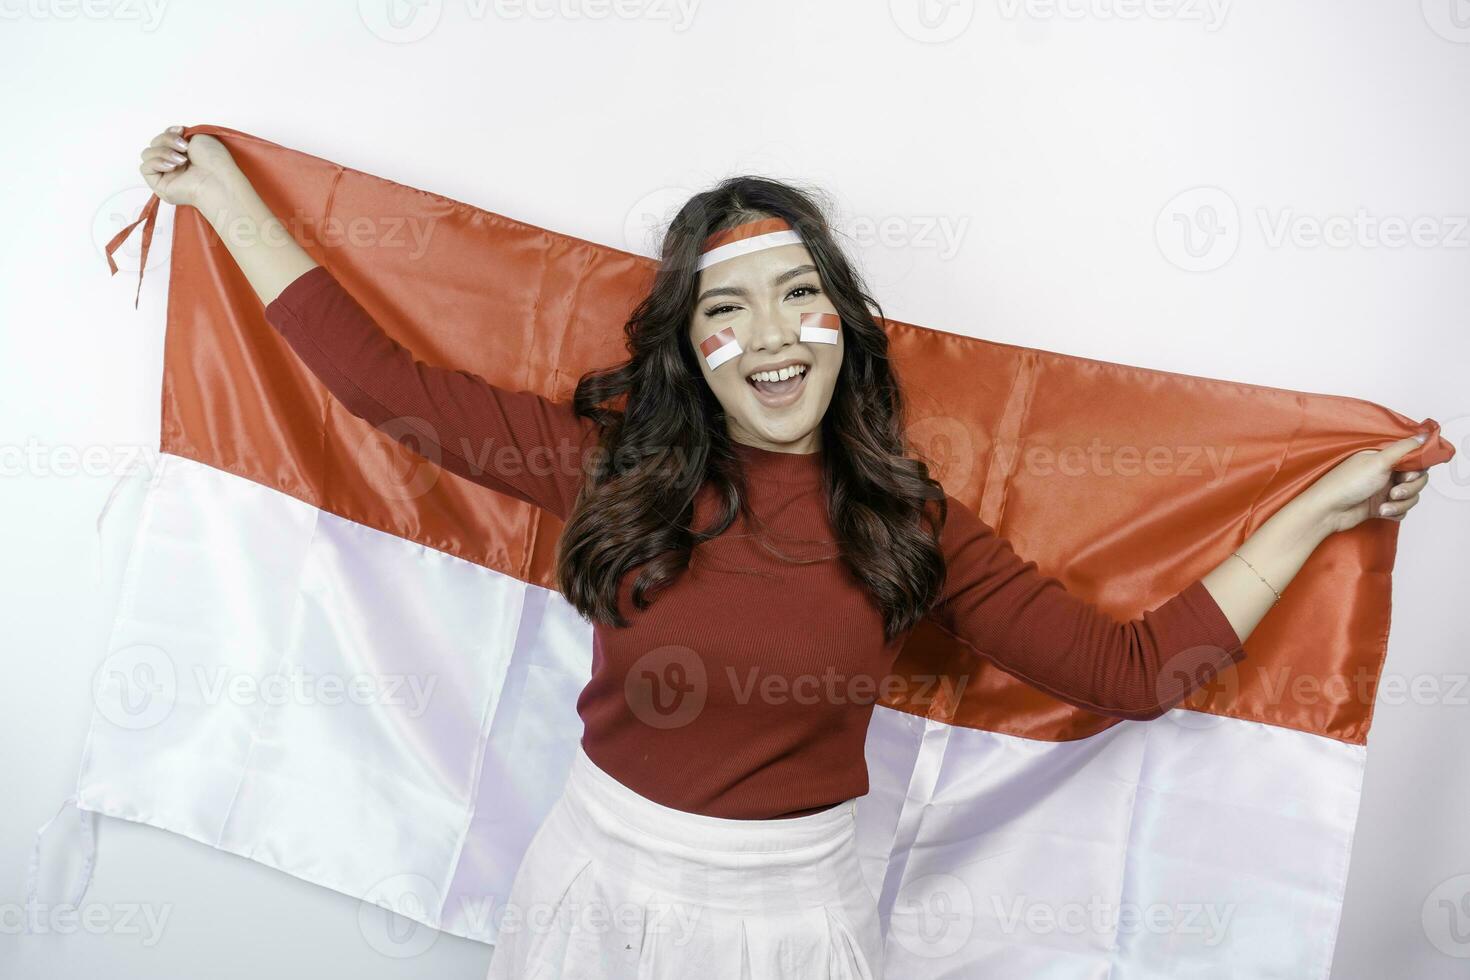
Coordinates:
x,y
1365,485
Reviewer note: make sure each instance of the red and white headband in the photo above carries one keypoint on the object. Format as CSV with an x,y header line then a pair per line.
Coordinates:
x,y
744,239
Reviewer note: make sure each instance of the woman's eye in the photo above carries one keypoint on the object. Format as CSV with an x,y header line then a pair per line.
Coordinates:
x,y
717,310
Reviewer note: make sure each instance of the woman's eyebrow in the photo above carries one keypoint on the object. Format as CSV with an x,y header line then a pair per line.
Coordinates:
x,y
741,291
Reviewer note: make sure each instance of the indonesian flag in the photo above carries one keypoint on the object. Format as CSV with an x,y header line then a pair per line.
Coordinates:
x,y
333,657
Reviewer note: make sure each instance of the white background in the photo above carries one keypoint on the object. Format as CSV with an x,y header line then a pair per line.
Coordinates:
x,y
1007,170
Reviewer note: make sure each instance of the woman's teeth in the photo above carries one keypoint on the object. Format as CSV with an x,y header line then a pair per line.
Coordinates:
x,y
780,375
777,388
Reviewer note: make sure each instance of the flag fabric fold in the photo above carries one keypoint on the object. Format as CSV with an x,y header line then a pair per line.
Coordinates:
x,y
344,662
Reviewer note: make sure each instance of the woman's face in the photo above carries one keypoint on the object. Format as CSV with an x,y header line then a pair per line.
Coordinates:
x,y
760,297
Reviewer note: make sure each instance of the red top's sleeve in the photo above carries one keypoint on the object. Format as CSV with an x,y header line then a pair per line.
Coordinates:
x,y
454,418
1030,626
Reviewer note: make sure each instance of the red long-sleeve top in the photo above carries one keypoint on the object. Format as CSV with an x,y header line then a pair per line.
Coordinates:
x,y
746,688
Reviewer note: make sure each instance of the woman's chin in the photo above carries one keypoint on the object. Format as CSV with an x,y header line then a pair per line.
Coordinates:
x,y
783,438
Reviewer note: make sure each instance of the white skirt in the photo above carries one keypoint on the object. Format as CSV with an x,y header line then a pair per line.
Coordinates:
x,y
614,885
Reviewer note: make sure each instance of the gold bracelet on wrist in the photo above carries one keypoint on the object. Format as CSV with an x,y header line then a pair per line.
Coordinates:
x,y
1258,575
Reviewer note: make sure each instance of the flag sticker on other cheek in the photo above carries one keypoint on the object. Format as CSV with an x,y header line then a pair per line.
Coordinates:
x,y
820,328
719,347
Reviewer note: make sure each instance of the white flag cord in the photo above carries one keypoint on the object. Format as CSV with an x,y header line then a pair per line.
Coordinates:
x,y
87,832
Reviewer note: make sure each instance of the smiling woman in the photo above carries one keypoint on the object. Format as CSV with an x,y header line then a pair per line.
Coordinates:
x,y
802,540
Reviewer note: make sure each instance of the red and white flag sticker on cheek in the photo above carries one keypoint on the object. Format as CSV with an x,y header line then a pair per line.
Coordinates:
x,y
719,347
820,328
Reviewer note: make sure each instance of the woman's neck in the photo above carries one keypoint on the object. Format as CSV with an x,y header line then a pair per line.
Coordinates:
x,y
782,466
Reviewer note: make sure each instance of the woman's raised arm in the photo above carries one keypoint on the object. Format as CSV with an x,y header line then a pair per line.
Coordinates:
x,y
1003,607
514,442
1027,623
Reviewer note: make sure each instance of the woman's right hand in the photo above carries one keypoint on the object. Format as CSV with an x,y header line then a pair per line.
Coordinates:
x,y
186,171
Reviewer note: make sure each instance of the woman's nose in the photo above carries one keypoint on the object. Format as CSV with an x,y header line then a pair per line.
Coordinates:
x,y
772,333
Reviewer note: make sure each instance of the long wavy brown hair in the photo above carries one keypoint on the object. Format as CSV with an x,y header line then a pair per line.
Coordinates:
x,y
636,505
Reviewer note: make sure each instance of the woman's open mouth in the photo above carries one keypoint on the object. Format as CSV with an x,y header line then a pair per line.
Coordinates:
x,y
777,389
